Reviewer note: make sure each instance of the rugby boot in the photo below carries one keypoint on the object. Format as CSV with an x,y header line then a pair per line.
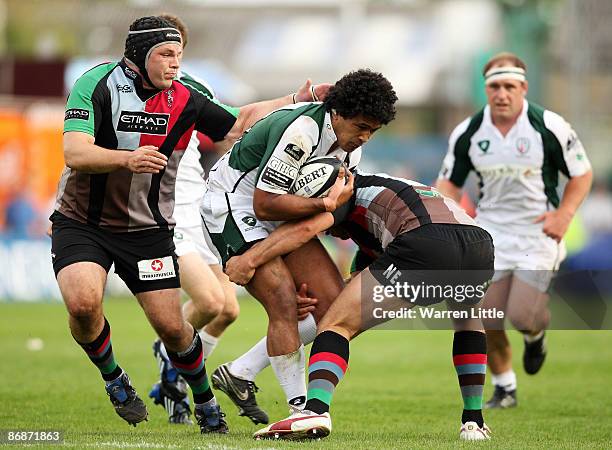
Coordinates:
x,y
534,355
470,431
300,426
178,412
502,399
241,393
125,400
211,419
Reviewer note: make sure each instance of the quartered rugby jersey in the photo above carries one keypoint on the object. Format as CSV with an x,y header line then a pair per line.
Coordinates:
x,y
519,172
383,207
190,185
110,103
270,154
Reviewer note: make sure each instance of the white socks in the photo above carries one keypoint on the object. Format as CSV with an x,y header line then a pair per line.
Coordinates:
x,y
529,338
209,343
290,371
252,362
507,380
256,359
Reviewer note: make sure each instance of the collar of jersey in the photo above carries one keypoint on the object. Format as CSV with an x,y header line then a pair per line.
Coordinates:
x,y
328,135
143,94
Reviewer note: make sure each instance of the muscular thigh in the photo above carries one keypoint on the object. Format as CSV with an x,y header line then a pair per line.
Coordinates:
x,y
82,283
311,264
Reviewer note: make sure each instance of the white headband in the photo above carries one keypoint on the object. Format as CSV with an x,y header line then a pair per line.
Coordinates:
x,y
505,73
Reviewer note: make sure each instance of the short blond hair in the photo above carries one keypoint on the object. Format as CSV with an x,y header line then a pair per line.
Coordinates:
x,y
501,59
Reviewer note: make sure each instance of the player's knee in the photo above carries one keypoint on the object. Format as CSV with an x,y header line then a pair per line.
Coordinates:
x,y
209,303
83,308
170,331
230,313
524,322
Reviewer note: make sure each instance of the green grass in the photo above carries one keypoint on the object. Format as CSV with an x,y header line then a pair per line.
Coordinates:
x,y
400,391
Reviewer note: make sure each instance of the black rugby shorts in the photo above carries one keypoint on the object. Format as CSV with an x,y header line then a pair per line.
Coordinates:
x,y
145,260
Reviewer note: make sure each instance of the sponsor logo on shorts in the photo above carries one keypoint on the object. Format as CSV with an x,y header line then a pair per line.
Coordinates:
x,y
178,235
77,113
143,122
249,220
294,151
156,269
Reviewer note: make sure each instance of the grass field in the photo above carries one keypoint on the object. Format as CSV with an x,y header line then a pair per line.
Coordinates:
x,y
400,391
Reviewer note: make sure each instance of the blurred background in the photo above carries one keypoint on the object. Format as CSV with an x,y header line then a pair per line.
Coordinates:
x,y
249,50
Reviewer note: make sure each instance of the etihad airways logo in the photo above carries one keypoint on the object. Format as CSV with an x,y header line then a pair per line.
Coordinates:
x,y
143,122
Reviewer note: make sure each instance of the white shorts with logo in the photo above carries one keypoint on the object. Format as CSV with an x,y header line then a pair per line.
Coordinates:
x,y
231,223
533,259
191,237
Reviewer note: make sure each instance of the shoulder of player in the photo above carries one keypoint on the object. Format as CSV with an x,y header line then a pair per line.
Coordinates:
x,y
191,81
90,79
463,132
305,126
553,122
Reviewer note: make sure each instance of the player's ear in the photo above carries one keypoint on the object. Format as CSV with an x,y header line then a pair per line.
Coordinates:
x,y
526,86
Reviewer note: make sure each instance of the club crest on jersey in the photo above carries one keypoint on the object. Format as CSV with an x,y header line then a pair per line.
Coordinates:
x,y
170,94
522,145
484,145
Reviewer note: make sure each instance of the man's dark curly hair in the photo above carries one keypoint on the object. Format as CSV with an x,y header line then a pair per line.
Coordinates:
x,y
363,92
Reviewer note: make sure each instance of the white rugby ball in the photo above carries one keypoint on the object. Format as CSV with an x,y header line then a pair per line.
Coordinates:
x,y
316,177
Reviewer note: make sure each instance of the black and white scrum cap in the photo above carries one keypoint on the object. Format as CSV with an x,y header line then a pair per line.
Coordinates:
x,y
145,34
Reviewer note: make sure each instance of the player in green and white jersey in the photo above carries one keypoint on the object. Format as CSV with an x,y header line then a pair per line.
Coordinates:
x,y
212,304
249,195
517,149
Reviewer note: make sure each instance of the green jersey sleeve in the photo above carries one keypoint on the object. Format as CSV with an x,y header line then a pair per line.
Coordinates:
x,y
83,104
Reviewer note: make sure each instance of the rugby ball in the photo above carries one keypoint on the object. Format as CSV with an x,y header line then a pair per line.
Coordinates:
x,y
316,177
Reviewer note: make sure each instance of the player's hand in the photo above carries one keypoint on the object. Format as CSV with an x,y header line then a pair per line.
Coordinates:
x,y
239,270
305,304
309,92
555,223
341,191
146,159
49,231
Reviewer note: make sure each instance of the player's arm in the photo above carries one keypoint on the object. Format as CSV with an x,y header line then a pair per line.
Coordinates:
x,y
571,159
448,189
285,239
251,113
456,165
80,153
272,206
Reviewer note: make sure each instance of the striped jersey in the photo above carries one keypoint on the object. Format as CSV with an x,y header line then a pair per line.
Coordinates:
x,y
383,207
269,154
110,103
519,172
